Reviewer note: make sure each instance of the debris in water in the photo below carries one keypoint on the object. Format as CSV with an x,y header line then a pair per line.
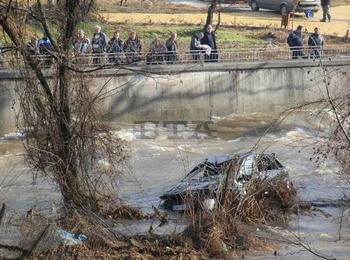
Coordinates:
x,y
208,180
70,239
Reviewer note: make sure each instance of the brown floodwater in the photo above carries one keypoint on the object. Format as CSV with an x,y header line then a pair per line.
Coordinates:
x,y
161,156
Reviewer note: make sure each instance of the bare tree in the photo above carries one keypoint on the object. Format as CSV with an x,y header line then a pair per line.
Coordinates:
x,y
65,138
211,11
210,15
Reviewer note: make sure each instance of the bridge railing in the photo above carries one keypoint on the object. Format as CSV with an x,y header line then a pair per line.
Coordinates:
x,y
222,55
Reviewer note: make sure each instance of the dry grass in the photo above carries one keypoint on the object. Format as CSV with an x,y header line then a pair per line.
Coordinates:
x,y
155,6
228,227
136,249
104,243
338,26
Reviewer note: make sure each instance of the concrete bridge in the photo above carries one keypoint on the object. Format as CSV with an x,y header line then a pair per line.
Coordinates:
x,y
200,91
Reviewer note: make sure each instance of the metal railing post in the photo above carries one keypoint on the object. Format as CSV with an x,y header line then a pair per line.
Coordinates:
x,y
226,55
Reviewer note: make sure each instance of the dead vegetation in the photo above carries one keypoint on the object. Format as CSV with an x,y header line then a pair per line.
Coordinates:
x,y
65,138
227,231
105,242
145,6
142,248
336,106
230,225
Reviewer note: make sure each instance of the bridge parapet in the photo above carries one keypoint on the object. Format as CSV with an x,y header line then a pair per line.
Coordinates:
x,y
164,69
115,60
203,91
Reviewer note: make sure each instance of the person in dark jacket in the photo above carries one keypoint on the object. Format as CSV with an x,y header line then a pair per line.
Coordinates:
x,y
157,52
316,43
195,47
296,42
115,48
171,46
132,48
325,8
98,43
45,48
210,40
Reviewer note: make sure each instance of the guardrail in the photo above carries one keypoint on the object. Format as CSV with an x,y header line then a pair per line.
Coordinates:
x,y
222,55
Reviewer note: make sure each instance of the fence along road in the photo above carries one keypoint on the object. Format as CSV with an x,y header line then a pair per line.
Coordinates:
x,y
146,58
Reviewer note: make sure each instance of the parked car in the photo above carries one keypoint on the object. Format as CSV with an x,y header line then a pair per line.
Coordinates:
x,y
205,181
285,6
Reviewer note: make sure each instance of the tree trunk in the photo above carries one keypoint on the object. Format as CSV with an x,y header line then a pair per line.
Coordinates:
x,y
219,21
211,11
64,141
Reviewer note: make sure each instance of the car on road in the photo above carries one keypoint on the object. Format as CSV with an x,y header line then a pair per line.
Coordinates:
x,y
205,182
285,6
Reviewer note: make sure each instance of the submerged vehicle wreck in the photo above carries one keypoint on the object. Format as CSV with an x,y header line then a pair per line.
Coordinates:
x,y
206,182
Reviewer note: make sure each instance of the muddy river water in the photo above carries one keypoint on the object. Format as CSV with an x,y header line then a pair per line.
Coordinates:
x,y
161,156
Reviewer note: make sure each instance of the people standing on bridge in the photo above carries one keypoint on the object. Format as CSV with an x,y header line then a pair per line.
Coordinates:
x,y
296,42
157,52
326,11
115,49
210,40
196,47
82,46
45,48
98,43
32,46
316,43
171,46
132,48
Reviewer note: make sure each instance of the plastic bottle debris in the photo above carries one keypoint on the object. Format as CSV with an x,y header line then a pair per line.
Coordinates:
x,y
70,239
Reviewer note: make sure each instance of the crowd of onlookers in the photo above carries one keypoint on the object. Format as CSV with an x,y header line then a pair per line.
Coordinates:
x,y
129,51
315,43
118,51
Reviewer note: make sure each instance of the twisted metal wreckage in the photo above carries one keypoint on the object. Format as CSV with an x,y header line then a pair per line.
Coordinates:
x,y
206,182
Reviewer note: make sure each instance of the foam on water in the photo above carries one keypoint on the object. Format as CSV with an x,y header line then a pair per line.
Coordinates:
x,y
162,156
126,134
